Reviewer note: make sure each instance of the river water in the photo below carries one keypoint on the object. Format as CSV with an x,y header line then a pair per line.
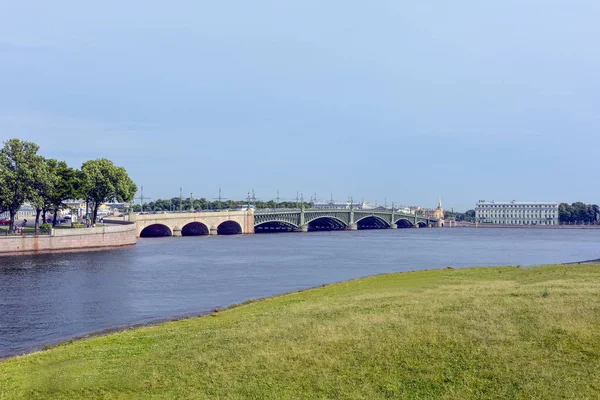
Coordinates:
x,y
46,299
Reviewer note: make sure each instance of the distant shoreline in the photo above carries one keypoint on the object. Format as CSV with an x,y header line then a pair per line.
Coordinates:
x,y
472,225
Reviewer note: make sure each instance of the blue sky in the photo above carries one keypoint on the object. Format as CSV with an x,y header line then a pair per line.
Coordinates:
x,y
466,100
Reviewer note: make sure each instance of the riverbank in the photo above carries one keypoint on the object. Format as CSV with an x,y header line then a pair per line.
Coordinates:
x,y
70,240
473,225
454,333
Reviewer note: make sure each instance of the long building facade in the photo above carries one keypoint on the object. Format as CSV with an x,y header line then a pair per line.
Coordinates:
x,y
516,212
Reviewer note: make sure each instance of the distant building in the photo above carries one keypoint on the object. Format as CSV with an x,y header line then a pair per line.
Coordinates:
x,y
404,210
337,205
78,207
516,212
25,211
434,213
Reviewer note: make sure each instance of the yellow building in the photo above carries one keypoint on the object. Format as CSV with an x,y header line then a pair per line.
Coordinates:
x,y
436,213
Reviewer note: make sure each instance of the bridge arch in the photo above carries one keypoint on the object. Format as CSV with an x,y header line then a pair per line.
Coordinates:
x,y
194,229
422,224
229,228
156,230
372,222
326,223
275,225
404,223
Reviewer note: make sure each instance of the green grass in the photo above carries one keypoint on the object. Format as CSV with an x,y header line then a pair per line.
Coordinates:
x,y
505,333
27,229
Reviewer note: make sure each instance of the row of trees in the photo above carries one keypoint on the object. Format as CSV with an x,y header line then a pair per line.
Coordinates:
x,y
176,204
578,213
26,176
468,216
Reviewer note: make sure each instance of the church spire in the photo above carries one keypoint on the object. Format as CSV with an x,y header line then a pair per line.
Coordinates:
x,y
439,202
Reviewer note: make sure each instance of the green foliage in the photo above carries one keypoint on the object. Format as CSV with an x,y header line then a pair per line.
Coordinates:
x,y
19,170
47,184
67,185
468,216
204,204
45,228
578,213
104,181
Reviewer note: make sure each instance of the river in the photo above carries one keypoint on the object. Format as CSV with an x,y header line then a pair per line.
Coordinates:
x,y
46,299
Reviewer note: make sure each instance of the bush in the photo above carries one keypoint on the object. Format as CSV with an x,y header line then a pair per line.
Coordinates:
x,y
45,228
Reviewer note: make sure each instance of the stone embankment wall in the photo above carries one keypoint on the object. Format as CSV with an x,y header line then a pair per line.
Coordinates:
x,y
62,240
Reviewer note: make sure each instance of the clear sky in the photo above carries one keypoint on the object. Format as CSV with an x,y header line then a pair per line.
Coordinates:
x,y
404,101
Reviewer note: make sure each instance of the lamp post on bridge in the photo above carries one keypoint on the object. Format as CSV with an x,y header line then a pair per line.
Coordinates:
x,y
303,226
352,226
180,199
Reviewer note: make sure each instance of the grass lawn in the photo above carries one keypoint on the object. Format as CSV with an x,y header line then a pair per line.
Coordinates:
x,y
506,333
27,229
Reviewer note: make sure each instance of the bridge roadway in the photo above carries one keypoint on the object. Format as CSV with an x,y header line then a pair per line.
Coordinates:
x,y
273,220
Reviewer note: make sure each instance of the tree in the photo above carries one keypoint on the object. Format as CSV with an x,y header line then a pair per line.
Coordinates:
x,y
18,160
67,186
578,213
104,182
3,195
43,184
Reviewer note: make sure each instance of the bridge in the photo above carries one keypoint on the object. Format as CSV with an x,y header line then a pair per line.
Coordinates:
x,y
305,220
273,220
194,223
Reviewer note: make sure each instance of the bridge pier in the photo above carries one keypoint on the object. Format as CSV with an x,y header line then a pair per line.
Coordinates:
x,y
352,227
303,228
416,226
393,226
213,231
177,231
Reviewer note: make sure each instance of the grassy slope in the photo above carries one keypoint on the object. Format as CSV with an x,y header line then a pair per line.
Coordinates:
x,y
456,334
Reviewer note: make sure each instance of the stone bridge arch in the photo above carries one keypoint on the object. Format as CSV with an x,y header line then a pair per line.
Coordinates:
x,y
200,223
229,227
156,230
195,228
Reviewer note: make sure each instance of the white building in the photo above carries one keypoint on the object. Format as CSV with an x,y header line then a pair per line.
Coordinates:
x,y
516,212
26,211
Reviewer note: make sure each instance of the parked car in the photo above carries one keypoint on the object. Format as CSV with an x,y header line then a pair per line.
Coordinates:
x,y
4,221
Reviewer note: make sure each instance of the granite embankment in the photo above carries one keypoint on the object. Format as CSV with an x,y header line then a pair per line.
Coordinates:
x,y
63,240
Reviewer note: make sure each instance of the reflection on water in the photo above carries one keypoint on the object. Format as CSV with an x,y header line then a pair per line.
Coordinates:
x,y
50,298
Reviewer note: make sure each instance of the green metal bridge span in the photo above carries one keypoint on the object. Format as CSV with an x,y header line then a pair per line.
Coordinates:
x,y
269,220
